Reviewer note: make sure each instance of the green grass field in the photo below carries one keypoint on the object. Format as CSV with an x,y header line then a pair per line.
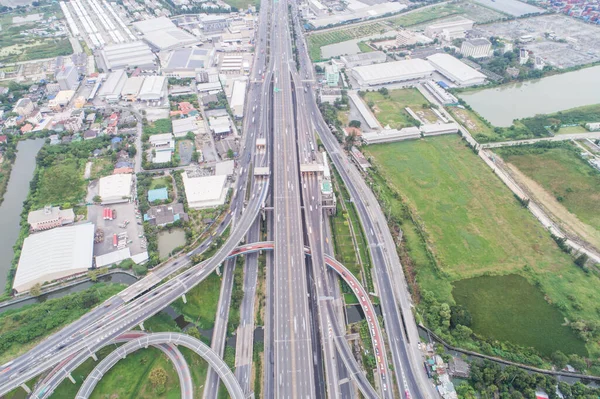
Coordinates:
x,y
563,173
202,300
506,321
473,123
318,40
571,130
364,47
390,110
429,14
474,226
60,183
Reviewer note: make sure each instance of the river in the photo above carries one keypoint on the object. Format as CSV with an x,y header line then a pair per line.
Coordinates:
x,y
16,193
501,105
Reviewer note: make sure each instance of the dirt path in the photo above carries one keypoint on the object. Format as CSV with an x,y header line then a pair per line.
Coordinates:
x,y
559,213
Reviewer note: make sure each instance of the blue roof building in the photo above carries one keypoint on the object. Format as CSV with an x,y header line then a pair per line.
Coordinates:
x,y
158,194
115,140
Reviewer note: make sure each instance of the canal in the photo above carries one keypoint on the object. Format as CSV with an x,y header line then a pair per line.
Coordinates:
x,y
16,193
501,105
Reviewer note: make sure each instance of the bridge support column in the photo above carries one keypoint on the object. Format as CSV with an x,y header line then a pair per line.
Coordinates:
x,y
26,388
142,326
184,298
71,378
94,357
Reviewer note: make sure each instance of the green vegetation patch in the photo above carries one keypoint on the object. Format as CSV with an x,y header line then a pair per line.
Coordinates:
x,y
61,183
561,171
509,308
202,301
22,328
426,15
389,109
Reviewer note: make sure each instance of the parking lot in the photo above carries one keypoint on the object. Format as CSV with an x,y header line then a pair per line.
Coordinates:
x,y
576,42
125,212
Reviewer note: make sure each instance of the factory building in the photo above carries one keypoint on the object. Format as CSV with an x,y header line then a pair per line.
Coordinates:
x,y
182,126
162,34
374,57
187,62
115,189
135,54
54,255
455,70
205,191
390,72
49,217
154,88
437,129
238,96
132,88
449,30
389,135
111,88
476,48
68,78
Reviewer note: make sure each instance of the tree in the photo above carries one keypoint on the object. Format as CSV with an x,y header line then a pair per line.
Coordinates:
x,y
560,360
581,260
93,275
158,377
36,290
383,91
230,153
97,198
354,123
460,315
193,332
190,136
462,332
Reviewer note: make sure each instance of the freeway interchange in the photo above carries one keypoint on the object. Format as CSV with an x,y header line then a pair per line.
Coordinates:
x,y
307,343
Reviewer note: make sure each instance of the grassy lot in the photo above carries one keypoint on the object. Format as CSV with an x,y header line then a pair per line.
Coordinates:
x,y
563,173
22,328
242,4
470,120
202,300
571,130
198,368
60,183
160,182
520,300
318,40
426,15
390,109
101,167
364,47
474,226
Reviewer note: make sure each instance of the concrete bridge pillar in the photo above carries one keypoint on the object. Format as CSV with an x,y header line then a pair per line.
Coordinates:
x,y
94,357
184,298
26,388
71,378
142,326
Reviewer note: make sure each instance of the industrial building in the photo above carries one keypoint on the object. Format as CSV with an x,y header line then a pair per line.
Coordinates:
x,y
135,54
187,62
476,48
225,168
68,78
388,135
219,125
115,189
450,30
49,217
436,129
374,57
61,99
238,96
162,34
162,142
132,88
455,70
111,88
54,254
332,75
23,107
205,191
182,126
369,118
154,88
390,72
439,93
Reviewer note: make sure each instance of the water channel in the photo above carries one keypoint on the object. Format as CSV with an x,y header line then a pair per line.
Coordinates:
x,y
16,193
501,105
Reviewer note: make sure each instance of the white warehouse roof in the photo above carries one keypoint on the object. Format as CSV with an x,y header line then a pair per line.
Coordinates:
x,y
455,70
205,191
54,254
128,55
153,88
395,71
132,86
115,188
237,98
162,33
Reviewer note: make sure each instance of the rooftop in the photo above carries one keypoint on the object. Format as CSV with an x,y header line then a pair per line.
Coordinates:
x,y
54,254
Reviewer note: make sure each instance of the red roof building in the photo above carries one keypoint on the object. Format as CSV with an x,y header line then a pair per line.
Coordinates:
x,y
185,107
3,139
26,128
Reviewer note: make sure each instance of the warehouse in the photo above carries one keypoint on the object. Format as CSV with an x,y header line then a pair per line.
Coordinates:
x,y
389,135
436,129
162,34
186,62
181,127
374,57
111,89
154,88
455,70
114,189
390,72
205,191
54,254
238,96
132,88
128,55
